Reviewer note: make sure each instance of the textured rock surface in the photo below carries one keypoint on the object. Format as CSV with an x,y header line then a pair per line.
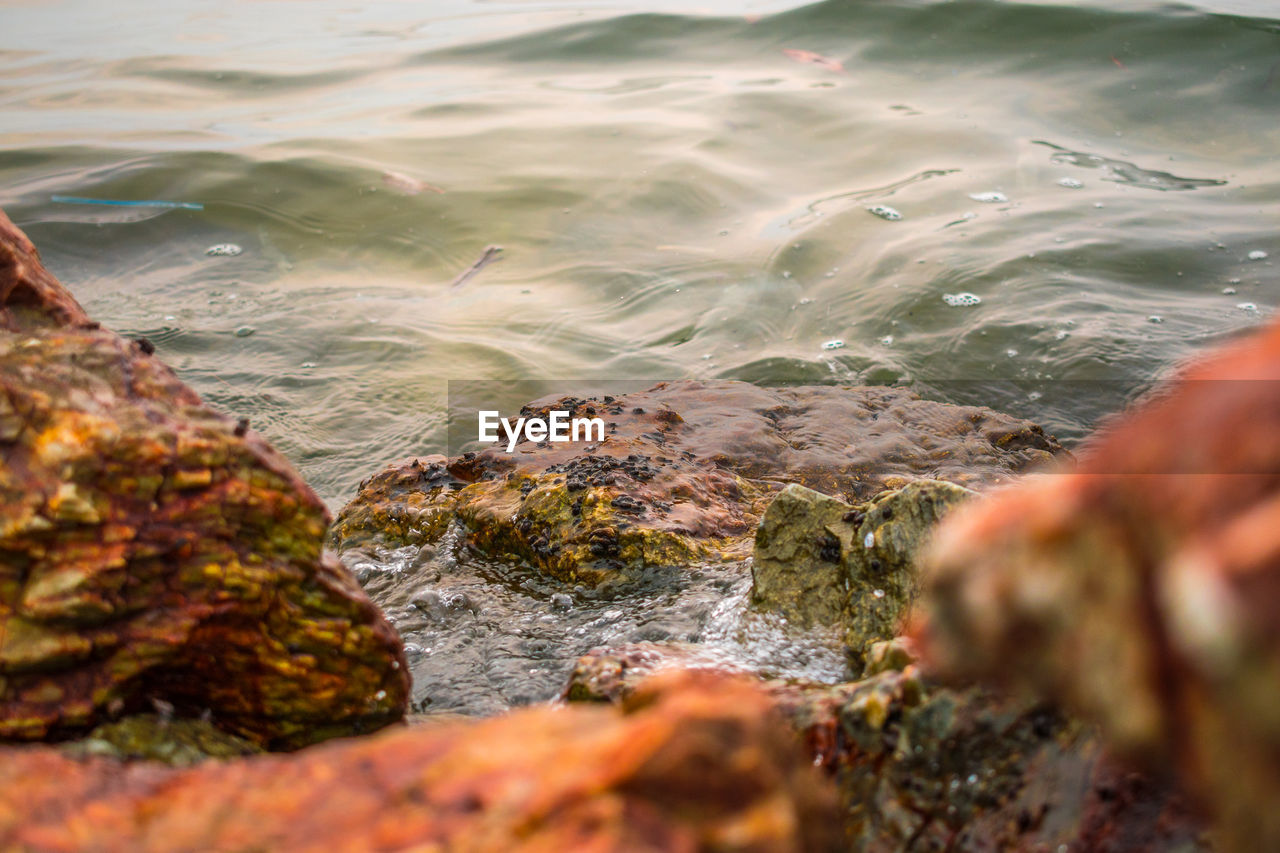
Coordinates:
x,y
152,549
1144,589
925,767
695,762
684,473
822,561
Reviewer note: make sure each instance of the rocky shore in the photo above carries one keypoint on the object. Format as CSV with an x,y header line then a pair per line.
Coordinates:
x,y
1081,660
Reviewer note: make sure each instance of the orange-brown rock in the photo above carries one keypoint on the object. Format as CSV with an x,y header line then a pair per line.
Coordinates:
x,y
153,550
683,474
1144,588
694,762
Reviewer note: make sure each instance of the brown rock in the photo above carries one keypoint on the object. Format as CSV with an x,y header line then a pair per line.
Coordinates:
x,y
921,766
152,550
1144,589
695,762
684,474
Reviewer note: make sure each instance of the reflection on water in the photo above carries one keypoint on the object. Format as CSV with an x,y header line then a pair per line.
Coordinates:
x,y
675,196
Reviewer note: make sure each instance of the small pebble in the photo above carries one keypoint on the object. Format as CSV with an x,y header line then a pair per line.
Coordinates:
x,y
244,331
223,250
869,541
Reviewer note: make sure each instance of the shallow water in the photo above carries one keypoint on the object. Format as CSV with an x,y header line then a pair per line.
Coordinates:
x,y
482,637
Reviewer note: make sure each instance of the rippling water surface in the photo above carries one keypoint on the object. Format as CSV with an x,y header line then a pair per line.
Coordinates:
x,y
1074,197
675,195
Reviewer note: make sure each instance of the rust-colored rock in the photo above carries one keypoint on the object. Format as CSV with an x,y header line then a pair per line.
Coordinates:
x,y
684,473
1144,589
152,549
695,762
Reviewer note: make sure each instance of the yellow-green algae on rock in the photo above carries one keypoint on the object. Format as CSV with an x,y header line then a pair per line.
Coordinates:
x,y
153,549
820,561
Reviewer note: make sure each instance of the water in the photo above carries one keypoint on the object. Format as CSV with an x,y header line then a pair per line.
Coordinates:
x,y
482,637
674,196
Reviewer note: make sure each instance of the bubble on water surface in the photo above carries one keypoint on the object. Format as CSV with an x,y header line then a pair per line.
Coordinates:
x,y
244,331
990,197
1071,183
1248,307
834,344
223,250
1257,255
885,212
960,300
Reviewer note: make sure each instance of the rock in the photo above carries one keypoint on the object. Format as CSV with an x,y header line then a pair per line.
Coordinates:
x,y
683,474
157,737
1144,588
798,566
922,766
152,549
695,762
820,561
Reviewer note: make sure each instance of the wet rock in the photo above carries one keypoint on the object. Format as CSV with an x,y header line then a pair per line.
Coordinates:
x,y
921,766
684,474
159,737
151,550
820,561
696,762
1143,589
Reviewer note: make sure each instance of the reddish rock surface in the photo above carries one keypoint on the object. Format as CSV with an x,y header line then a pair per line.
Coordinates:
x,y
694,762
684,473
1144,588
153,549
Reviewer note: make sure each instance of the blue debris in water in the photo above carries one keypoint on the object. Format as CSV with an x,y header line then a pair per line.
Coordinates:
x,y
171,205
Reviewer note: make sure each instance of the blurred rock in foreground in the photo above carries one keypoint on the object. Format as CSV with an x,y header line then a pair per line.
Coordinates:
x,y
925,767
694,762
1144,589
152,550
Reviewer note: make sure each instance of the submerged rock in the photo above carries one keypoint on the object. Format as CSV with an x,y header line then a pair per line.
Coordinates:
x,y
694,762
683,474
820,561
1144,589
152,549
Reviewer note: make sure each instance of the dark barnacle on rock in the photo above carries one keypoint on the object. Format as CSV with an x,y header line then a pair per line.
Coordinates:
x,y
626,503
